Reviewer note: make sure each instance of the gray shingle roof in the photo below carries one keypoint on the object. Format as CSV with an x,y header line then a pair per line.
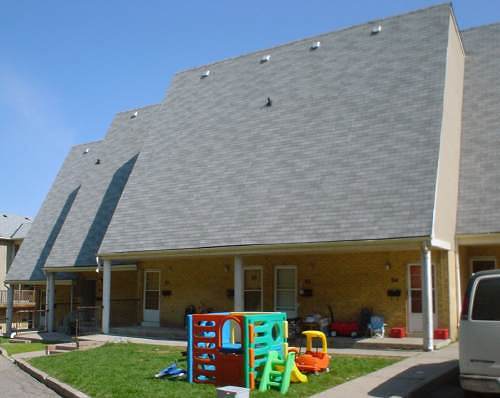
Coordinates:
x,y
479,194
75,215
13,226
348,150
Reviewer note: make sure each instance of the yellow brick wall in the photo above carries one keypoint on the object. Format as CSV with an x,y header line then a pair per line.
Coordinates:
x,y
346,281
467,253
62,304
191,281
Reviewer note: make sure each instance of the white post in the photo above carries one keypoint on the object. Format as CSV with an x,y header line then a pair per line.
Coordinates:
x,y
427,312
238,284
458,282
10,309
51,290
106,296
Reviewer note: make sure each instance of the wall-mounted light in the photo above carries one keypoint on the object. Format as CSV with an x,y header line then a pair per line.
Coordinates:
x,y
388,266
226,268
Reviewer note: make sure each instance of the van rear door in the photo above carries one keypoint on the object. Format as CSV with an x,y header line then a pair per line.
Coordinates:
x,y
480,328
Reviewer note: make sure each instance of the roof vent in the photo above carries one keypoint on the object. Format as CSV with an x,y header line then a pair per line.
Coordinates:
x,y
4,215
205,74
134,115
269,102
86,151
265,58
376,29
98,161
316,45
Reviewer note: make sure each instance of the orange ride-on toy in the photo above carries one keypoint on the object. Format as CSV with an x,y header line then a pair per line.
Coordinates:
x,y
313,361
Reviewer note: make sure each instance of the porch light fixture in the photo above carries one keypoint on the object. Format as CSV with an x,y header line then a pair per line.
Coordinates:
x,y
205,74
265,58
316,45
376,29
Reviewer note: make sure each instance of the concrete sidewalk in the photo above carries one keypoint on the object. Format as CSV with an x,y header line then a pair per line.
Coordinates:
x,y
403,379
106,338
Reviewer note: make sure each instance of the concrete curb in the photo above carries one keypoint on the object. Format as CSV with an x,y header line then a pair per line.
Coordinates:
x,y
63,389
6,354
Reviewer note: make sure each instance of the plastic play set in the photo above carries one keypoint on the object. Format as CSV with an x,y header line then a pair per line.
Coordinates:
x,y
249,349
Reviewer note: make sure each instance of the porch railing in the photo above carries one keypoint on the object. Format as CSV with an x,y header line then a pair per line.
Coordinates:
x,y
21,297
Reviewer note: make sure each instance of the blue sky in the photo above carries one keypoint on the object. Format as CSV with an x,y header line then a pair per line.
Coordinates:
x,y
67,67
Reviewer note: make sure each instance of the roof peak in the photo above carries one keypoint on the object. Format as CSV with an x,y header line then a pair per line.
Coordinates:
x,y
315,37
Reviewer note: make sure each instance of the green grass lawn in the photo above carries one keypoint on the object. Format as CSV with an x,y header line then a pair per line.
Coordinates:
x,y
17,348
127,370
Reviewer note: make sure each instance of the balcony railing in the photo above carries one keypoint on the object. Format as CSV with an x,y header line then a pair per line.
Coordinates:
x,y
21,297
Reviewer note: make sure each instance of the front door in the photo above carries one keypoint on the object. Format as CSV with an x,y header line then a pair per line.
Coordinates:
x,y
151,298
415,317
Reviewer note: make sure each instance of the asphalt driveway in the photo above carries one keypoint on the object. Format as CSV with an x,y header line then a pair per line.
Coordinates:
x,y
14,383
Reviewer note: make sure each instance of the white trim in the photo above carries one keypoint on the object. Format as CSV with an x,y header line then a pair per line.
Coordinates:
x,y
479,239
440,244
117,267
481,258
276,269
340,246
458,281
261,269
144,322
434,288
60,282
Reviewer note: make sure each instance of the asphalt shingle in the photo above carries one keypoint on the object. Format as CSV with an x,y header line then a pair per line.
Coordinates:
x,y
347,151
76,213
479,189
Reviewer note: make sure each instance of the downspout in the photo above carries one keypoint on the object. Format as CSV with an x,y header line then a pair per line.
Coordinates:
x,y
99,266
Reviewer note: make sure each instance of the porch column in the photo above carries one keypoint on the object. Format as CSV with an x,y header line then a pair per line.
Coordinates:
x,y
50,297
238,284
427,312
106,296
10,309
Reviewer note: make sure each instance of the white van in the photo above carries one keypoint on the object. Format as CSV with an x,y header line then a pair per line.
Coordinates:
x,y
480,334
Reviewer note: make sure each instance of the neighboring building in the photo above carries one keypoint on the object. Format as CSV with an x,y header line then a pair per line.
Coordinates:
x,y
321,175
13,230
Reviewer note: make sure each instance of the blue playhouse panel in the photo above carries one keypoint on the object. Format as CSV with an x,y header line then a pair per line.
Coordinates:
x,y
190,348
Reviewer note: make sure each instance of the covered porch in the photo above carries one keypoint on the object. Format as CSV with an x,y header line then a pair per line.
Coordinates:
x,y
410,285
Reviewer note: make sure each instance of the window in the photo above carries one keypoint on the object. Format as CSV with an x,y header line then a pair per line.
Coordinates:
x,y
482,264
285,297
486,300
252,288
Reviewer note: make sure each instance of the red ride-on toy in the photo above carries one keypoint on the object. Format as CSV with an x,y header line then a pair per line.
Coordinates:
x,y
313,361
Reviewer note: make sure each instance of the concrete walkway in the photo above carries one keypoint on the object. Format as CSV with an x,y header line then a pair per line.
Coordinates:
x,y
179,343
403,379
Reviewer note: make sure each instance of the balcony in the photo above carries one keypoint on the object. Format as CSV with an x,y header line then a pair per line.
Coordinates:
x,y
22,298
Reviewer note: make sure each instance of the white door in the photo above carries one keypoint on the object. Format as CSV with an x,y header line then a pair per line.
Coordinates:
x,y
415,317
151,298
285,290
